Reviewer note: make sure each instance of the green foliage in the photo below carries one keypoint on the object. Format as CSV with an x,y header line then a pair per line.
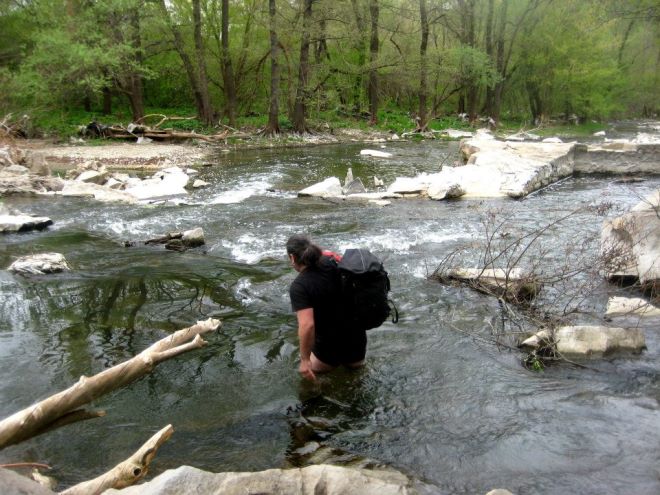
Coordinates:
x,y
567,56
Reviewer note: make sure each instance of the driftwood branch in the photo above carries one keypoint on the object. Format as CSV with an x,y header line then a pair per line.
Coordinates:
x,y
127,472
118,132
59,407
163,119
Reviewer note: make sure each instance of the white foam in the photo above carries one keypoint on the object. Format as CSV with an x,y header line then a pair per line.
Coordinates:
x,y
400,242
257,185
242,291
251,249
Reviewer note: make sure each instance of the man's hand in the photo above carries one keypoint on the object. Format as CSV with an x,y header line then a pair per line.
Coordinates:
x,y
306,370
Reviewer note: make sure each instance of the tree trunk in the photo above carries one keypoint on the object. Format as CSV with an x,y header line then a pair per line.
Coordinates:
x,y
188,66
374,46
300,106
227,69
472,91
500,63
40,417
490,90
535,103
206,116
126,473
321,51
107,101
360,47
273,126
423,88
135,90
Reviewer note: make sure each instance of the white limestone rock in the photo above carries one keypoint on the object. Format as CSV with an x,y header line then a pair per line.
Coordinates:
x,y
22,223
15,170
95,191
354,187
412,186
631,243
376,153
40,264
92,176
620,306
591,341
330,187
164,183
193,238
457,134
618,157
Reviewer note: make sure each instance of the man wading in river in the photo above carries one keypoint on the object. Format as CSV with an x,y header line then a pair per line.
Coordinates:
x,y
326,340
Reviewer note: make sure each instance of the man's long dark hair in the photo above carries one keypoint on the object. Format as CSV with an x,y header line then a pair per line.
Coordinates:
x,y
304,252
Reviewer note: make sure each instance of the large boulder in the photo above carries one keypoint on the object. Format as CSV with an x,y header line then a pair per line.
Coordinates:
x,y
630,244
40,264
311,480
589,341
516,169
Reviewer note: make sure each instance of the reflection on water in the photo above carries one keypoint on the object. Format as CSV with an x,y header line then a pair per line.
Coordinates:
x,y
432,401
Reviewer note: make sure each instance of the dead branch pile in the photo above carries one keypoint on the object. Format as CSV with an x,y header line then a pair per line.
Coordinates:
x,y
141,130
11,127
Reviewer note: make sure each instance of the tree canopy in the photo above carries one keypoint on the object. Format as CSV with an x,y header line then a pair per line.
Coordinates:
x,y
293,60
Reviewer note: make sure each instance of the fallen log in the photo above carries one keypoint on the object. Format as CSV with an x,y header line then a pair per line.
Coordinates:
x,y
117,132
63,406
125,473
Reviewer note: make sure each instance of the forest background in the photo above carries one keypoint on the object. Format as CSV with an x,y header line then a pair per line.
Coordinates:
x,y
300,65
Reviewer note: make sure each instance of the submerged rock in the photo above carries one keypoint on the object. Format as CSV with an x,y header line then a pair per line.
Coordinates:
x,y
376,153
40,264
179,241
589,341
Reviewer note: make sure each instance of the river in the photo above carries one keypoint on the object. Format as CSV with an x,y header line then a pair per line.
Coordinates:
x,y
434,401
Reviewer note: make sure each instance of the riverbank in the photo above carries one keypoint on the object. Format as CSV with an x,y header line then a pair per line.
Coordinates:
x,y
154,155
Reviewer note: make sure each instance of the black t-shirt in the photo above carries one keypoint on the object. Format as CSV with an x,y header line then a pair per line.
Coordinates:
x,y
318,287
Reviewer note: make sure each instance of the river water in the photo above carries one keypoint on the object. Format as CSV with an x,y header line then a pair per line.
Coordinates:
x,y
435,400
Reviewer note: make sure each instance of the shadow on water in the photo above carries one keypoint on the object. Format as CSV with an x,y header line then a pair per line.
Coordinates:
x,y
432,401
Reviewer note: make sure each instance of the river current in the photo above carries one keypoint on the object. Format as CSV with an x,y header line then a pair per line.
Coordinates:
x,y
435,400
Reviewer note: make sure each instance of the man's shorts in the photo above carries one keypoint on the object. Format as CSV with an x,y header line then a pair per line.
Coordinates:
x,y
344,349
